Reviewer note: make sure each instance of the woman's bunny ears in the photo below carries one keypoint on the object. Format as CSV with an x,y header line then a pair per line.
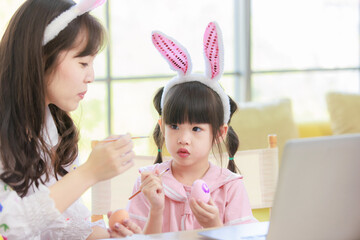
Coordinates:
x,y
179,61
61,21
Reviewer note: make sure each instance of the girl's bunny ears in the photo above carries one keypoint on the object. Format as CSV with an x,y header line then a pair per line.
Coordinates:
x,y
176,55
61,21
179,61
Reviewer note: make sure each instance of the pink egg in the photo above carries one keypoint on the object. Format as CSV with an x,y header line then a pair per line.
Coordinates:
x,y
200,191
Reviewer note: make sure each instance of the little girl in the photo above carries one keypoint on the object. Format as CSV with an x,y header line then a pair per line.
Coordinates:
x,y
46,64
195,113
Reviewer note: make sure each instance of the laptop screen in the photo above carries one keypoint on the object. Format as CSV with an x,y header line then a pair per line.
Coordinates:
x,y
318,191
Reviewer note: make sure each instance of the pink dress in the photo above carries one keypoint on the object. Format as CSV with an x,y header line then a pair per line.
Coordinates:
x,y
226,188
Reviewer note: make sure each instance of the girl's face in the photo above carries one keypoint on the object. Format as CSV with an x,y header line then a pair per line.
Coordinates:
x,y
189,143
67,83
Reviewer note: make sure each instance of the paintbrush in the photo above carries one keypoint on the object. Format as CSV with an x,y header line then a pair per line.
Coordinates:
x,y
95,142
162,173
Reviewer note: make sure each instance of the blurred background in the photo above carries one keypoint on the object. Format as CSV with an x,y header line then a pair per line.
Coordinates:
x,y
273,49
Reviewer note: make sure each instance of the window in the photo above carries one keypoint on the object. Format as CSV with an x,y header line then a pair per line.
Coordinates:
x,y
273,49
302,50
135,70
7,9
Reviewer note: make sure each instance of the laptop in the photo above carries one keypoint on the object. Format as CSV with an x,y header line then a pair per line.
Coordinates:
x,y
318,192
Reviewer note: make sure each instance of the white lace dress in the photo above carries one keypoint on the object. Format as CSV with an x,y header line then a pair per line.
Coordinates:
x,y
35,216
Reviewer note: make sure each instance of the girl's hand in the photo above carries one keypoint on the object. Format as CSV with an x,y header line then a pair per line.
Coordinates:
x,y
109,159
127,228
151,187
206,214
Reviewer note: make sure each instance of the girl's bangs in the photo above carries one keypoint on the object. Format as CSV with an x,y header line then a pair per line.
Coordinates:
x,y
191,102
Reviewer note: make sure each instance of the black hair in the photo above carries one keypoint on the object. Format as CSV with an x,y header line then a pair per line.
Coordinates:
x,y
195,102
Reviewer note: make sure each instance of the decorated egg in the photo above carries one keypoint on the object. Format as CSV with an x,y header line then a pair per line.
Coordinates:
x,y
118,216
200,191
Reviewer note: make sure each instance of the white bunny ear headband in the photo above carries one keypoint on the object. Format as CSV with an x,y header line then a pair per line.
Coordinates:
x,y
61,21
179,61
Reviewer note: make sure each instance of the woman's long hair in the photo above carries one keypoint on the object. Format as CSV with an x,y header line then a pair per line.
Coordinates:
x,y
24,61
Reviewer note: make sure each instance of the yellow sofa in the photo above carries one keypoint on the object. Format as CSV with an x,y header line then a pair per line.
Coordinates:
x,y
314,129
344,118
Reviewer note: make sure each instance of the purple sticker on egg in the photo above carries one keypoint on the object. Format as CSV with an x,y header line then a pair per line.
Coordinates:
x,y
205,188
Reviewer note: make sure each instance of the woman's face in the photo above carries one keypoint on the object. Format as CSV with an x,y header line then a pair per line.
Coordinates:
x,y
67,84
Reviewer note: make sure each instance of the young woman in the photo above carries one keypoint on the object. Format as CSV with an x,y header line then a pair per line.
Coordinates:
x,y
46,64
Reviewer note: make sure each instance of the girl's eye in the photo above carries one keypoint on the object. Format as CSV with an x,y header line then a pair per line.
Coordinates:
x,y
84,64
196,129
174,126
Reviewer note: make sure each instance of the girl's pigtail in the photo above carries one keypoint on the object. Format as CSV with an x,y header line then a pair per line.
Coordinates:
x,y
232,144
157,135
232,141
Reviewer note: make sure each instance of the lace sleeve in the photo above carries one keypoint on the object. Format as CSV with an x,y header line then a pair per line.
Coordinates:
x,y
25,217
74,223
35,217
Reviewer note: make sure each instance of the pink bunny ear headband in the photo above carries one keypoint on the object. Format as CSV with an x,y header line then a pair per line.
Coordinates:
x,y
61,21
179,61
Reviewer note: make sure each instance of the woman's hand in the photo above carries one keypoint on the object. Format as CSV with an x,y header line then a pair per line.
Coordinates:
x,y
109,159
127,228
206,214
151,187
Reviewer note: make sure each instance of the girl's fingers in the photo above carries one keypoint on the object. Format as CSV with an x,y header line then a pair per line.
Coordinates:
x,y
197,207
206,207
132,226
194,206
121,230
151,180
146,174
152,187
147,177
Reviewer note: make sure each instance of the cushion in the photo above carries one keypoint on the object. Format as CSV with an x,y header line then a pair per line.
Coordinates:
x,y
314,129
344,112
253,122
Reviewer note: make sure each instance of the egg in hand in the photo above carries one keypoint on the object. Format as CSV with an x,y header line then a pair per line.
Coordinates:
x,y
118,216
200,191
